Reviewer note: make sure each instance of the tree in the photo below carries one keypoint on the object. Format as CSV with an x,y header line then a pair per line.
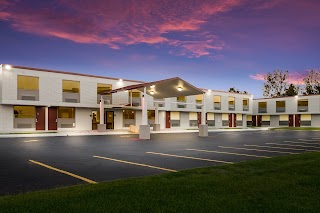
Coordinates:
x,y
312,83
275,85
292,90
233,89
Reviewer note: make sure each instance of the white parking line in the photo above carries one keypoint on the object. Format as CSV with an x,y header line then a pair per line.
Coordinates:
x,y
274,147
308,140
293,145
258,150
228,153
301,143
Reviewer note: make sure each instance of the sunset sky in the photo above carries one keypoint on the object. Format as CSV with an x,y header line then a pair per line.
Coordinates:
x,y
214,44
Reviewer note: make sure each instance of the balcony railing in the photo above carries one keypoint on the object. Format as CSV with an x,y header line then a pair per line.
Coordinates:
x,y
280,109
181,105
71,97
262,110
217,106
245,108
231,107
107,99
28,95
302,108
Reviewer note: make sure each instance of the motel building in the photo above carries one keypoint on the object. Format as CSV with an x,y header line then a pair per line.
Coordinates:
x,y
33,99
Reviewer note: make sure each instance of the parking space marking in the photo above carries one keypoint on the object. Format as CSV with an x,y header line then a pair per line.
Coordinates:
x,y
301,143
28,141
258,150
137,164
63,172
294,145
229,153
308,139
187,157
275,147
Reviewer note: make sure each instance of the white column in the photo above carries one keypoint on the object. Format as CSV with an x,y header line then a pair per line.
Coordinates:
x,y
203,110
144,108
101,110
156,113
46,118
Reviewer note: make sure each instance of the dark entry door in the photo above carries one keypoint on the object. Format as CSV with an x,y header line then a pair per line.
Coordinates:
x,y
290,120
95,119
167,119
259,120
254,120
297,120
230,119
109,119
199,118
40,118
52,118
234,120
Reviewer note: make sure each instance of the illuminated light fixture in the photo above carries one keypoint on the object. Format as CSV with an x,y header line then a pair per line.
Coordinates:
x,y
126,91
152,86
120,80
151,92
296,96
209,90
7,67
179,88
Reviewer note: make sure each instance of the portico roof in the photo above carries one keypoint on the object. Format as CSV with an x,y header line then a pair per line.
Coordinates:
x,y
167,88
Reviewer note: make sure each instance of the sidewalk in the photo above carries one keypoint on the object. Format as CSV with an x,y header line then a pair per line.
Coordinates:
x,y
115,132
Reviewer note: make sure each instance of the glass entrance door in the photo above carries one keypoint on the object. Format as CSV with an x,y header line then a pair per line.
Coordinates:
x,y
95,119
109,116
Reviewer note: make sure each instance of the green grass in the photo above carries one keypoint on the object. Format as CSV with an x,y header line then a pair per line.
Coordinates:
x,y
282,184
296,128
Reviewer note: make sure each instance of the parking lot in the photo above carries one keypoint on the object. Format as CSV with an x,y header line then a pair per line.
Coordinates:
x,y
28,164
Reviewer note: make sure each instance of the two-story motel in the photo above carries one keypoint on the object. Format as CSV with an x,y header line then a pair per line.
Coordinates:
x,y
33,99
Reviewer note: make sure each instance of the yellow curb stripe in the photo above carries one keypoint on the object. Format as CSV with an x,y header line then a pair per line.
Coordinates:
x,y
229,153
258,150
275,147
137,164
187,157
294,145
63,172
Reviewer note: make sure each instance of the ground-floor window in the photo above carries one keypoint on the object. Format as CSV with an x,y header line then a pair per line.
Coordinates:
x,y
129,118
305,120
265,120
210,119
66,117
249,120
175,119
225,119
193,119
284,120
151,116
24,116
239,120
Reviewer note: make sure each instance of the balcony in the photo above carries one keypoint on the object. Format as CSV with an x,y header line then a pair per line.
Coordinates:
x,y
245,108
28,95
107,99
262,110
231,107
136,101
302,108
71,97
181,105
217,106
280,109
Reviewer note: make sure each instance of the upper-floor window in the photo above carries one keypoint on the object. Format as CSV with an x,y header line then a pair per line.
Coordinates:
x,y
217,102
199,101
303,105
181,99
135,98
101,88
262,107
245,103
28,88
231,103
280,106
71,91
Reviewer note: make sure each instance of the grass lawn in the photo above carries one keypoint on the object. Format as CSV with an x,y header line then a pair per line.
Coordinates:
x,y
282,184
296,128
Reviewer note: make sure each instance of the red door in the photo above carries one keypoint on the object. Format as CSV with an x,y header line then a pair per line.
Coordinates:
x,y
52,118
254,120
199,118
290,120
230,119
259,120
234,120
297,120
167,119
40,118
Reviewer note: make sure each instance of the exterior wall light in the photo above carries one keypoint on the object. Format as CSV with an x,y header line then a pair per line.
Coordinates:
x,y
209,90
126,91
296,96
151,92
8,67
179,88
120,80
152,86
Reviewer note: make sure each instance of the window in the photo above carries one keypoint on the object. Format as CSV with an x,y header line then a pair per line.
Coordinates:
x,y
303,105
280,106
151,116
217,102
199,101
305,120
101,88
193,119
175,119
24,116
239,120
225,119
284,120
262,107
265,120
71,91
28,88
245,103
231,102
210,119
136,97
66,112
181,99
249,120
128,117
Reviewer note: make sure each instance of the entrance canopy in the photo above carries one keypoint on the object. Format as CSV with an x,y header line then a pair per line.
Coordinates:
x,y
167,88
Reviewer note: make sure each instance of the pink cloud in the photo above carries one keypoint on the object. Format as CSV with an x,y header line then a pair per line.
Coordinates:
x,y
293,78
122,22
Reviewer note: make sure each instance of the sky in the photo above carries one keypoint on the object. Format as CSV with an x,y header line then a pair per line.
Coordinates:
x,y
212,44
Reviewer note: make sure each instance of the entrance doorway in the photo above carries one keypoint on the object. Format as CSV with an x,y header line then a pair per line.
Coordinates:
x,y
95,119
290,120
254,120
297,120
167,119
259,120
109,119
52,118
40,118
199,118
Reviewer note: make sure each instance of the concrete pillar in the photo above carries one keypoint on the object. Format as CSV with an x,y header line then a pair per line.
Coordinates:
x,y
156,126
244,120
144,129
46,120
102,127
203,128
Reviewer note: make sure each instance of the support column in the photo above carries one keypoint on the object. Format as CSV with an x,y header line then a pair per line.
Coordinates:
x,y
144,129
203,128
244,120
156,126
102,127
46,118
